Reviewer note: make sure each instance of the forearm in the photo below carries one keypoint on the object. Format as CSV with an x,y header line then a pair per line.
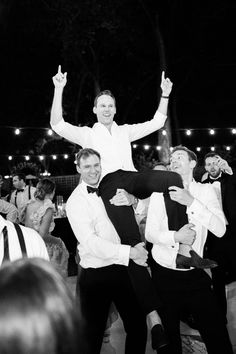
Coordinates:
x,y
56,111
163,105
210,216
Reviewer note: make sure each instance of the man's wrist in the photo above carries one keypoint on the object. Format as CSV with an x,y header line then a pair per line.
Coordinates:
x,y
165,96
133,253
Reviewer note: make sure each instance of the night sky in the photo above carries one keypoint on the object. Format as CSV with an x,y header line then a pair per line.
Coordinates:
x,y
122,46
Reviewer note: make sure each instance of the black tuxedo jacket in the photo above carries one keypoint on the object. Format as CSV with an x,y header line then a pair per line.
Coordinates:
x,y
228,194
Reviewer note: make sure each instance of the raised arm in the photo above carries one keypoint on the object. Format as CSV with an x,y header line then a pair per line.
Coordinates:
x,y
166,87
59,81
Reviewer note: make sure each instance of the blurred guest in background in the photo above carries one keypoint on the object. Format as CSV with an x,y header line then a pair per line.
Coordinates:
x,y
38,214
22,193
8,210
18,241
222,250
37,313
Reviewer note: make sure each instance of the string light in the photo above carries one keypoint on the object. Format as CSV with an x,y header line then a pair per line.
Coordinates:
x,y
212,131
66,156
41,157
146,147
198,148
212,148
9,157
54,157
188,132
134,146
50,132
233,131
164,132
228,148
17,131
158,148
27,158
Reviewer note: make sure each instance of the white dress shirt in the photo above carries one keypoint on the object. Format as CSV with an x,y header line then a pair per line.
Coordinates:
x,y
34,243
99,244
114,148
205,213
20,199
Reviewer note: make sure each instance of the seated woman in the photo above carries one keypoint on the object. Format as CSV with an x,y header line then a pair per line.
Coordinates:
x,y
37,311
39,216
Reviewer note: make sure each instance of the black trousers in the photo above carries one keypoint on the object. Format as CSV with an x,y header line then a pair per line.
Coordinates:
x,y
190,291
141,185
222,250
96,290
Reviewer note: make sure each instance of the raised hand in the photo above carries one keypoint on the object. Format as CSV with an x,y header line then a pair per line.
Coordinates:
x,y
166,85
60,79
223,165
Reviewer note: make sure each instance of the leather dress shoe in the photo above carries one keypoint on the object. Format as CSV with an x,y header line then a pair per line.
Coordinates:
x,y
158,337
194,261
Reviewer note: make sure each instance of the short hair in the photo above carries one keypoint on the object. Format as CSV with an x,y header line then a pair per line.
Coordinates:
x,y
45,186
20,176
191,154
210,154
104,92
85,153
37,310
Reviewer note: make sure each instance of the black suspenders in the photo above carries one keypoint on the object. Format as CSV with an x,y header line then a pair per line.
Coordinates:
x,y
6,243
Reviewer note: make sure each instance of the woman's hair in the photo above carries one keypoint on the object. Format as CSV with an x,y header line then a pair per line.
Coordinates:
x,y
45,186
37,310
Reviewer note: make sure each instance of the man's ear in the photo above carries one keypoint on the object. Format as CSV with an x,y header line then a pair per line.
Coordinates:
x,y
193,163
78,169
95,110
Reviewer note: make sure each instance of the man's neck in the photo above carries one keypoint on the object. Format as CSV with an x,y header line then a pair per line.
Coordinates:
x,y
216,177
187,179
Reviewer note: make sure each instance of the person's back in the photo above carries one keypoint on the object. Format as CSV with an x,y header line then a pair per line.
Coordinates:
x,y
39,216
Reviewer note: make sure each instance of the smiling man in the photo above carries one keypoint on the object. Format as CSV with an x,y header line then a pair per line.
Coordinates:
x,y
186,290
104,262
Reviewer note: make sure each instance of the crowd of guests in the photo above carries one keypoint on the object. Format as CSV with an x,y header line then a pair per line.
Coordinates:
x,y
153,277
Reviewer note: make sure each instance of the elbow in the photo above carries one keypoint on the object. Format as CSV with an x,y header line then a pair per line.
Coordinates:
x,y
220,231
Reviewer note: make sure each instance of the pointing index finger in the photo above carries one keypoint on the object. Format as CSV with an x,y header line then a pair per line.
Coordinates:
x,y
163,76
59,69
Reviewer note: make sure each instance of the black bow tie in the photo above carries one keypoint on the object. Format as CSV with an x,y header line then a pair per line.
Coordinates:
x,y
93,190
211,180
20,190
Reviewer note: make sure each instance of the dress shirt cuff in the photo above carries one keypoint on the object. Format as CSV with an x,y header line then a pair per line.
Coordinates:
x,y
59,126
199,212
123,256
167,238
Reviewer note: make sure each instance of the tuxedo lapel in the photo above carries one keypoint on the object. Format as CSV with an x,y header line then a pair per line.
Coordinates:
x,y
223,187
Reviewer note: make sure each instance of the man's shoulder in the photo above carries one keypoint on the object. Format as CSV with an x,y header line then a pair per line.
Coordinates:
x,y
77,195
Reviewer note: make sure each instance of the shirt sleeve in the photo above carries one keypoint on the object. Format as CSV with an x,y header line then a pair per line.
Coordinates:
x,y
85,232
35,245
9,209
77,135
140,130
209,214
157,231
